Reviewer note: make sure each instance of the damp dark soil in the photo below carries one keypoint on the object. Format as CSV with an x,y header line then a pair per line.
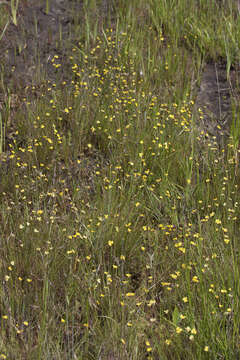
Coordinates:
x,y
27,49
218,99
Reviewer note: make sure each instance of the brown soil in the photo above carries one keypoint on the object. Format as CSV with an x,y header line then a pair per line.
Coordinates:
x,y
216,98
27,49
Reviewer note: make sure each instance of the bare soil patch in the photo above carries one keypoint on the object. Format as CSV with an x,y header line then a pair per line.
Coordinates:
x,y
216,99
27,49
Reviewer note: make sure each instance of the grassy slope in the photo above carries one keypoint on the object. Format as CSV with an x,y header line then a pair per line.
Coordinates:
x,y
119,223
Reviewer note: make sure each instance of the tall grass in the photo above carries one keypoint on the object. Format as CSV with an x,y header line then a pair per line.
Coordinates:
x,y
120,220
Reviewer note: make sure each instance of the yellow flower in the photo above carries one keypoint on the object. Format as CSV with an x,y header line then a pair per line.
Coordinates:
x,y
178,330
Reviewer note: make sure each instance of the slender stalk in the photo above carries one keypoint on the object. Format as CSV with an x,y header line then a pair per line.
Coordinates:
x,y
3,32
2,135
47,6
14,9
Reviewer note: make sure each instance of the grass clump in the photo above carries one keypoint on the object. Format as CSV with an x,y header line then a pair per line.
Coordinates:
x,y
120,219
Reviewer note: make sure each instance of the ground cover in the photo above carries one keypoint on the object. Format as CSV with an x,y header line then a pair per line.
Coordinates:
x,y
119,212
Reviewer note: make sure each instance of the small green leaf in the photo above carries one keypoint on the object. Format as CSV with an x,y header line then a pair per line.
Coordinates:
x,y
175,316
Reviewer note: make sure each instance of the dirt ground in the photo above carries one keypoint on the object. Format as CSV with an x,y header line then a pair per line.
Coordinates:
x,y
217,97
27,49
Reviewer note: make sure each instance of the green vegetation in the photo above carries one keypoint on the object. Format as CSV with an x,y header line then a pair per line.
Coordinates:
x,y
119,218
